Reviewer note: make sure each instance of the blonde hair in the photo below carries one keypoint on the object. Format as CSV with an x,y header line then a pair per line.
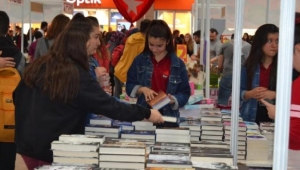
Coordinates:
x,y
190,43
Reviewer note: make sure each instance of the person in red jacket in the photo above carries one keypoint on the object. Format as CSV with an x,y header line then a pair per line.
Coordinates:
x,y
294,141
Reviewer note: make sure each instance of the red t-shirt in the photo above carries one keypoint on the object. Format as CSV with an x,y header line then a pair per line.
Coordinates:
x,y
264,76
294,142
161,73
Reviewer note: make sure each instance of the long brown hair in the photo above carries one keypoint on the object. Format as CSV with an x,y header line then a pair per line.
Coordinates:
x,y
257,55
57,73
58,24
190,43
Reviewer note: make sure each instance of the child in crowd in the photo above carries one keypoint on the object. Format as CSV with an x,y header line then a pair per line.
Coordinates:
x,y
258,76
158,68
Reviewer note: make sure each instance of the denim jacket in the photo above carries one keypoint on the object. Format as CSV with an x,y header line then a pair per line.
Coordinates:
x,y
248,107
140,74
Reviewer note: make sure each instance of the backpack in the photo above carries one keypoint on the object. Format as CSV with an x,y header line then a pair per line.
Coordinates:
x,y
116,54
9,79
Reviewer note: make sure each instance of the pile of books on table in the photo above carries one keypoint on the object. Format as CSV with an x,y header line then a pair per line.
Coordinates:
x,y
212,126
122,154
78,150
267,129
257,144
191,119
169,155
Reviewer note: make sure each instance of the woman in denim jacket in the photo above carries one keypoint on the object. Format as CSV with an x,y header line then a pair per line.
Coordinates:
x,y
258,76
158,68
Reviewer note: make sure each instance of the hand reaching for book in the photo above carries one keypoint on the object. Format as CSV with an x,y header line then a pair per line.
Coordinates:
x,y
155,117
148,93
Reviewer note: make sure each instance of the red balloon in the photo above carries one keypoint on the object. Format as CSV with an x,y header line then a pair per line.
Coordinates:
x,y
133,10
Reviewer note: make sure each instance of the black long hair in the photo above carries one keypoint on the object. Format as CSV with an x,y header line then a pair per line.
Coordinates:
x,y
159,29
257,55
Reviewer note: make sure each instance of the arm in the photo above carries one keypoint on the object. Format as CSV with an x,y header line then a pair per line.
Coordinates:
x,y
183,89
37,53
220,62
243,87
94,100
133,87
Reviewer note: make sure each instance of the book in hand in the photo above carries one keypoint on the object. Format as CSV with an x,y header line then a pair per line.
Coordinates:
x,y
159,101
169,119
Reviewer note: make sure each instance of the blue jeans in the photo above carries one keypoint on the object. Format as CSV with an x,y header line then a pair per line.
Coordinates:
x,y
225,88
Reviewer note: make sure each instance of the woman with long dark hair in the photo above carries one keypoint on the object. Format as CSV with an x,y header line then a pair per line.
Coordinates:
x,y
258,76
57,92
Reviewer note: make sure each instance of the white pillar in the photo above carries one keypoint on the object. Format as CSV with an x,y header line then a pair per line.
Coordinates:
x,y
207,39
202,32
22,30
267,11
283,91
196,22
236,76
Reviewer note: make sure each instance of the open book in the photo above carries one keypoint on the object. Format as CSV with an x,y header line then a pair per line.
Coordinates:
x,y
159,101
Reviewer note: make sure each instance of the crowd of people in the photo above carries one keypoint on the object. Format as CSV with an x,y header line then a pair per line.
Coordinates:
x,y
62,86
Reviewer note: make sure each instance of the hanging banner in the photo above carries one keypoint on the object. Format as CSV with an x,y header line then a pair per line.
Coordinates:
x,y
68,8
133,10
182,52
18,2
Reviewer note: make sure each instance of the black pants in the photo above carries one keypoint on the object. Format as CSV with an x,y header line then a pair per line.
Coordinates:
x,y
118,88
7,155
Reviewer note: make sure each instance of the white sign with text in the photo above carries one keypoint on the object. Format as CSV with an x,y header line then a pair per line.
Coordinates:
x,y
78,2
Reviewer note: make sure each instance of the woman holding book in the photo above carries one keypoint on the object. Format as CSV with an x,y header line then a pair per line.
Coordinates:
x,y
57,92
158,68
258,76
294,142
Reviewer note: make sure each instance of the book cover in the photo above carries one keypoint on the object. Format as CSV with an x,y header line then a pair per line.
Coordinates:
x,y
82,138
159,101
169,162
169,119
146,141
165,144
138,132
122,144
211,114
211,123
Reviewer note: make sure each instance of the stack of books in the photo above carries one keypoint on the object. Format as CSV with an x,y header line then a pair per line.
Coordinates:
x,y
138,134
191,119
211,122
66,167
100,120
144,125
106,130
122,155
148,142
211,155
267,129
77,150
170,151
214,165
210,144
173,135
257,147
242,138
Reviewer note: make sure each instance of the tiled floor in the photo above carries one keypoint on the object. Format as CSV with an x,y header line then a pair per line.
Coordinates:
x,y
20,165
